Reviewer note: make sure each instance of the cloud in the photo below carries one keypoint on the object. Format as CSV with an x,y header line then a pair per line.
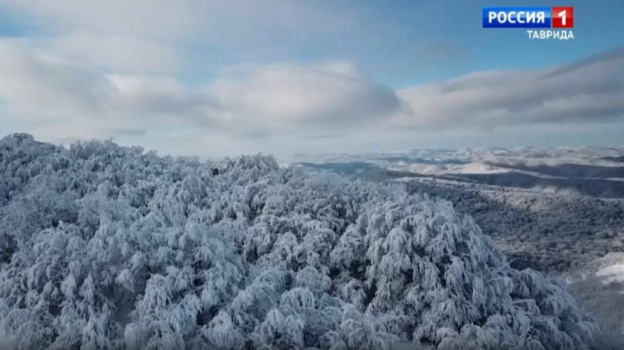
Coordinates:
x,y
176,37
160,96
166,18
285,97
213,21
29,81
582,92
275,104
121,54
72,100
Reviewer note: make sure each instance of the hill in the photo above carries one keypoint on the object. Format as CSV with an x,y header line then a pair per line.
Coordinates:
x,y
112,247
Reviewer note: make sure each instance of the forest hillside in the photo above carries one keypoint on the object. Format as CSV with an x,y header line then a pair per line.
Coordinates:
x,y
106,247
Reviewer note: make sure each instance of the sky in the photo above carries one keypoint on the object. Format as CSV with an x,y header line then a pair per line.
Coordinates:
x,y
215,78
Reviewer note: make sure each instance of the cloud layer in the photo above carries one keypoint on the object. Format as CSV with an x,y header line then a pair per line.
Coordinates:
x,y
74,101
70,99
289,97
591,90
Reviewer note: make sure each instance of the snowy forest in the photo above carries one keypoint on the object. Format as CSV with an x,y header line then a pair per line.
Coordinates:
x,y
110,247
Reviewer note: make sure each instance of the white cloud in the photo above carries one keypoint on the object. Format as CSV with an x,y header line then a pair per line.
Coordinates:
x,y
73,101
29,81
285,97
145,18
213,21
264,106
586,91
169,37
160,96
127,54
69,100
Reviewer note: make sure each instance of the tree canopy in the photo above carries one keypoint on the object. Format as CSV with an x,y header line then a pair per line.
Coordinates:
x,y
107,247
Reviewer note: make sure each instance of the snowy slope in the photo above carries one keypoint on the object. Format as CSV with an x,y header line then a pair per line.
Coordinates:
x,y
550,209
599,289
593,171
557,210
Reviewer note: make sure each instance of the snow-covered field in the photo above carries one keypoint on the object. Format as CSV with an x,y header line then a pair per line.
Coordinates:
x,y
105,247
560,211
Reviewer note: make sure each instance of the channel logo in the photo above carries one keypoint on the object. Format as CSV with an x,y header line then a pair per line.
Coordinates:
x,y
528,17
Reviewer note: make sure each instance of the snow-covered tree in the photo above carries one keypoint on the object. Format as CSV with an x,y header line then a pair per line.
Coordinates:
x,y
106,247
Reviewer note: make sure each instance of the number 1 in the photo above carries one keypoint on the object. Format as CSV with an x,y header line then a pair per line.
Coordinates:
x,y
563,17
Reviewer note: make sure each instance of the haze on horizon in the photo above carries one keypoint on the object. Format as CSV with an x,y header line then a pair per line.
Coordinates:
x,y
214,78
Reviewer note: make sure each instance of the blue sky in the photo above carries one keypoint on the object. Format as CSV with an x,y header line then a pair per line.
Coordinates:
x,y
228,77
